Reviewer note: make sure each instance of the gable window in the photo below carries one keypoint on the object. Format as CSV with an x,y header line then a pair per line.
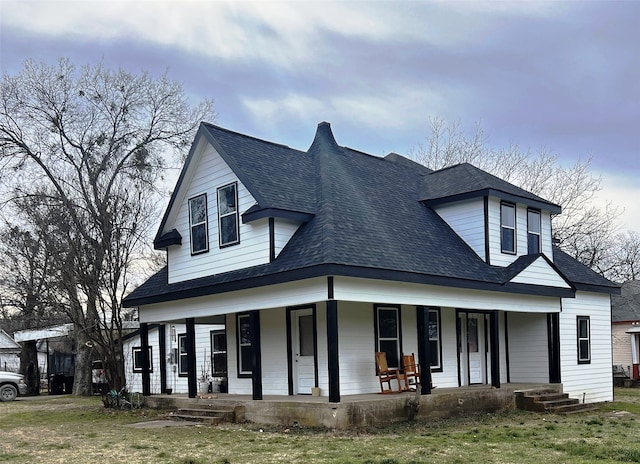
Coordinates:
x,y
245,362
584,340
182,355
218,353
387,327
533,231
435,358
137,359
198,224
508,227
228,215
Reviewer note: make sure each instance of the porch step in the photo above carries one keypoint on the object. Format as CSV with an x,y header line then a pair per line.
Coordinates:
x,y
208,415
550,401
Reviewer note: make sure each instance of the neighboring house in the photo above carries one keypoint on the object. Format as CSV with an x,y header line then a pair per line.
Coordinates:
x,y
625,330
167,356
9,353
314,260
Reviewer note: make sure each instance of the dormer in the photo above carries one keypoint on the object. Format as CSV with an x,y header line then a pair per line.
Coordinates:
x,y
499,221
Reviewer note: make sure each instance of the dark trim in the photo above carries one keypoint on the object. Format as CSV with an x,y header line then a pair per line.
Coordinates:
x,y
494,344
146,362
289,351
501,195
515,228
206,224
330,288
290,347
172,237
200,287
487,232
255,213
181,373
578,319
422,323
237,213
534,210
597,288
162,347
240,373
191,357
459,345
553,340
139,369
272,240
256,355
397,307
506,346
333,359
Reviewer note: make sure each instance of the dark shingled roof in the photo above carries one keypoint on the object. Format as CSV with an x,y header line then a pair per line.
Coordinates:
x,y
365,218
626,306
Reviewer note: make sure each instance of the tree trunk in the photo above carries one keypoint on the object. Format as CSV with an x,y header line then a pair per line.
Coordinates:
x,y
29,367
82,374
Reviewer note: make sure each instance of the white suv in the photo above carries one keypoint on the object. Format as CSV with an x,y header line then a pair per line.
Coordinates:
x,y
11,385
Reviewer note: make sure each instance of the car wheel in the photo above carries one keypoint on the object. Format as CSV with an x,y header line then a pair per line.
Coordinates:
x,y
8,393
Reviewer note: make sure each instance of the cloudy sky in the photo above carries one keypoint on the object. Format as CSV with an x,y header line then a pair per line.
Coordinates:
x,y
563,76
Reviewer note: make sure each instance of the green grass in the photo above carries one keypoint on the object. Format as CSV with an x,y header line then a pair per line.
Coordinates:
x,y
80,430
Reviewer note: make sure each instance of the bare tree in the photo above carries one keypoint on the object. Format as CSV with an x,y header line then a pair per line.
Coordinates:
x,y
583,230
93,142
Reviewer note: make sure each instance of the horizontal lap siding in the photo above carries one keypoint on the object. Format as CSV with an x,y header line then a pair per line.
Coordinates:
x,y
273,339
467,220
284,230
622,344
253,248
449,375
528,348
540,273
356,345
594,379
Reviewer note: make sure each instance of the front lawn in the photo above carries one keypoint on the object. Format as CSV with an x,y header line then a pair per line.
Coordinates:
x,y
79,430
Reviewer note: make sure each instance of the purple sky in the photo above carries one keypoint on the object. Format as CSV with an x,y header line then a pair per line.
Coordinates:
x,y
563,76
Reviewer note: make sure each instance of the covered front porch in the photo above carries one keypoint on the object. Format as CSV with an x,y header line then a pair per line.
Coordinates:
x,y
361,410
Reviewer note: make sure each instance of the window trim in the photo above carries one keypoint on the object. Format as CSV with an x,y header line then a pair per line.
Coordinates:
x,y
240,345
579,339
398,338
221,216
213,334
437,311
530,232
192,225
514,228
136,349
181,354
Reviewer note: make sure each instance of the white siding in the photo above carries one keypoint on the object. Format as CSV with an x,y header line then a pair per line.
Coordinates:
x,y
210,173
273,344
284,230
354,289
467,220
540,273
528,348
594,380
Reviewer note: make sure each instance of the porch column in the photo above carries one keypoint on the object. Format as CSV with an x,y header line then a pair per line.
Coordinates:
x,y
162,346
191,356
332,351
424,349
494,345
553,336
256,355
144,346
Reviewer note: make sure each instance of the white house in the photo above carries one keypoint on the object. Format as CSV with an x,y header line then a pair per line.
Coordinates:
x,y
625,330
314,260
9,353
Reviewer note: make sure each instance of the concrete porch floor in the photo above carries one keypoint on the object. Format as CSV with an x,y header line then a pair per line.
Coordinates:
x,y
370,409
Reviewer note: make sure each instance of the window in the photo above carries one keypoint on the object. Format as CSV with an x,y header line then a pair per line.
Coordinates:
x,y
137,359
434,340
388,333
228,215
584,340
182,355
218,353
245,361
508,227
198,224
533,231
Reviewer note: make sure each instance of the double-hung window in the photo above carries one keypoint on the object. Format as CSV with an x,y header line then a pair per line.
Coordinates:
x,y
584,340
533,231
387,320
198,224
183,368
228,224
435,358
218,353
508,227
245,361
137,359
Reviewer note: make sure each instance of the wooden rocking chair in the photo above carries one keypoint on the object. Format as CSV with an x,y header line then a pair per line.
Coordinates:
x,y
386,375
411,373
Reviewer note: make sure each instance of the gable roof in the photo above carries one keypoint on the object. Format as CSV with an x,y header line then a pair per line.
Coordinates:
x,y
444,186
363,216
7,343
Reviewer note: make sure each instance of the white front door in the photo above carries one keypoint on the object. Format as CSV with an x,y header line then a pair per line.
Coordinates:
x,y
474,355
303,352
